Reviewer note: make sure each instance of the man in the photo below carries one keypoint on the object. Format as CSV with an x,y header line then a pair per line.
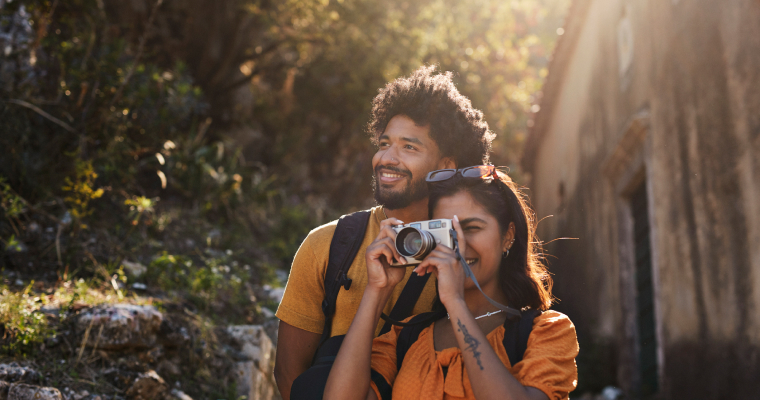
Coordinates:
x,y
419,124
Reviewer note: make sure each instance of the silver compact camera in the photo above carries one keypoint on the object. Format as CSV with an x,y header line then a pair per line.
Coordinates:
x,y
416,240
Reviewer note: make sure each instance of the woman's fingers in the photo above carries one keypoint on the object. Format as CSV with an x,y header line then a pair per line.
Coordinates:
x,y
385,247
391,221
460,236
389,224
386,231
442,256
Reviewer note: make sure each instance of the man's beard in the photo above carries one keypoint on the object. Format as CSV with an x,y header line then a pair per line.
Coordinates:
x,y
394,200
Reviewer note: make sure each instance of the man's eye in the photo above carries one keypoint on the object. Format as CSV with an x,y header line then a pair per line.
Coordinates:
x,y
410,147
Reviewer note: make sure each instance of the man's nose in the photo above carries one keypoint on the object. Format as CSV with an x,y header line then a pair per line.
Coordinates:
x,y
390,156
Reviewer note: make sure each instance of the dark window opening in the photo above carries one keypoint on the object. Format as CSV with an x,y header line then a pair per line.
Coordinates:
x,y
645,319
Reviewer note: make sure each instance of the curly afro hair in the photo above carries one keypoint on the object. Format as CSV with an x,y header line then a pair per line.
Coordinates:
x,y
430,98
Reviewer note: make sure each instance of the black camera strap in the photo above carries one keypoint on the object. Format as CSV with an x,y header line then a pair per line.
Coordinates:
x,y
468,273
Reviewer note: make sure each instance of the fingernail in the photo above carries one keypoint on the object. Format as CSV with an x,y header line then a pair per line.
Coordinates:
x,y
456,218
403,260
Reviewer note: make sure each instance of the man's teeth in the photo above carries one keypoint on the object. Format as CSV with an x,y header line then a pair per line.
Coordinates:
x,y
471,261
389,175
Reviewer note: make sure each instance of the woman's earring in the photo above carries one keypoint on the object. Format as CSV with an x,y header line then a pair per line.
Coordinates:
x,y
505,253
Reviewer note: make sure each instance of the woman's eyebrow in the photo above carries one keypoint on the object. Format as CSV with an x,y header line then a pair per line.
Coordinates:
x,y
467,221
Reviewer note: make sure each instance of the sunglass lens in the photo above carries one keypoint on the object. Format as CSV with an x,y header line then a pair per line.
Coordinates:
x,y
478,171
441,175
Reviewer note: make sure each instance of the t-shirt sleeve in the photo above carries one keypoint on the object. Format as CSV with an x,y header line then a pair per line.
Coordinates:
x,y
549,361
301,304
384,362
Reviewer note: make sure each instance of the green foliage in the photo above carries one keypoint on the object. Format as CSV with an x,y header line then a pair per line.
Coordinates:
x,y
316,110
11,203
139,206
216,279
80,191
24,327
13,244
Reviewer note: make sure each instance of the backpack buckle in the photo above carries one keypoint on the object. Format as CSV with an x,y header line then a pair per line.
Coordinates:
x,y
345,281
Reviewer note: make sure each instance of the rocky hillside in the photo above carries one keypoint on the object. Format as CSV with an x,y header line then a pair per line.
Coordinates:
x,y
139,348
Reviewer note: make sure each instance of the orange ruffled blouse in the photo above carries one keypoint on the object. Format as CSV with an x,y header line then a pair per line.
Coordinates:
x,y
548,363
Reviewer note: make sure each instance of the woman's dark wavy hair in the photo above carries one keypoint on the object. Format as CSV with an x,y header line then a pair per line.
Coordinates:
x,y
523,276
432,99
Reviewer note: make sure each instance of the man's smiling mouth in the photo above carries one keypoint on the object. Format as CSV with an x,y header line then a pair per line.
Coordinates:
x,y
471,261
387,175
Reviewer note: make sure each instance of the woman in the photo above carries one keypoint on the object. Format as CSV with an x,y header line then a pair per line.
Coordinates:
x,y
462,355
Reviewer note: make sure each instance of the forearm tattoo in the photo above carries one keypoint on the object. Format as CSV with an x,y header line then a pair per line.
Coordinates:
x,y
472,343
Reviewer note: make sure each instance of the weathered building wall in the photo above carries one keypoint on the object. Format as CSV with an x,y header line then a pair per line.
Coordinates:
x,y
664,94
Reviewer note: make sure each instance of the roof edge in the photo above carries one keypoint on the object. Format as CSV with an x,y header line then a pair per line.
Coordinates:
x,y
549,94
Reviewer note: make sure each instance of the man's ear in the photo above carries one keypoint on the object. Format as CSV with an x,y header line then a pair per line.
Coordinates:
x,y
447,163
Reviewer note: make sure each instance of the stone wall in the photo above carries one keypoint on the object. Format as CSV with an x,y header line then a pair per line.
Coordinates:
x,y
665,93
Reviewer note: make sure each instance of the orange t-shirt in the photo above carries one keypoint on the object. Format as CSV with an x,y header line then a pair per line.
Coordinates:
x,y
548,363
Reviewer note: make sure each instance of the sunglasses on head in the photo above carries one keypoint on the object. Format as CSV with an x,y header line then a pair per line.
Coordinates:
x,y
475,172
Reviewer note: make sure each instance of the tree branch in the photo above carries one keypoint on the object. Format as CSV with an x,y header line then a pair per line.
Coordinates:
x,y
42,113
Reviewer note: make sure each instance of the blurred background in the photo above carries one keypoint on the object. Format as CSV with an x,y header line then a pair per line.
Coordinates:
x,y
172,155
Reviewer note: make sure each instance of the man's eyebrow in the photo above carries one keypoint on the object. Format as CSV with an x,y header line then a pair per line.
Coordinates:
x,y
406,139
467,221
413,140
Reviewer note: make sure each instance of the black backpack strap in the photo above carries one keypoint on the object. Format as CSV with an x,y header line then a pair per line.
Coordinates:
x,y
411,331
345,244
383,387
516,334
406,301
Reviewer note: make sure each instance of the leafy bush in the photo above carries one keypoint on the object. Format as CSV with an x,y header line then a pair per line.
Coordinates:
x,y
22,327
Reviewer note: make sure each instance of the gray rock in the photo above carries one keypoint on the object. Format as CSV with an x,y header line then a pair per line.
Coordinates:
x,y
79,396
255,345
179,395
173,334
15,373
254,372
4,386
134,269
147,386
22,391
123,326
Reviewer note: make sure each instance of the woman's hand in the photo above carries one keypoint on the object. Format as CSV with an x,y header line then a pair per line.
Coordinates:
x,y
449,272
380,254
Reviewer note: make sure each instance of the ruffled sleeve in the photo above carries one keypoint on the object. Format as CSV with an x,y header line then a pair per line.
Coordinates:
x,y
549,361
383,362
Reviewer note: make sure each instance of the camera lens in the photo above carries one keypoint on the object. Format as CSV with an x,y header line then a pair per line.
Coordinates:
x,y
415,243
